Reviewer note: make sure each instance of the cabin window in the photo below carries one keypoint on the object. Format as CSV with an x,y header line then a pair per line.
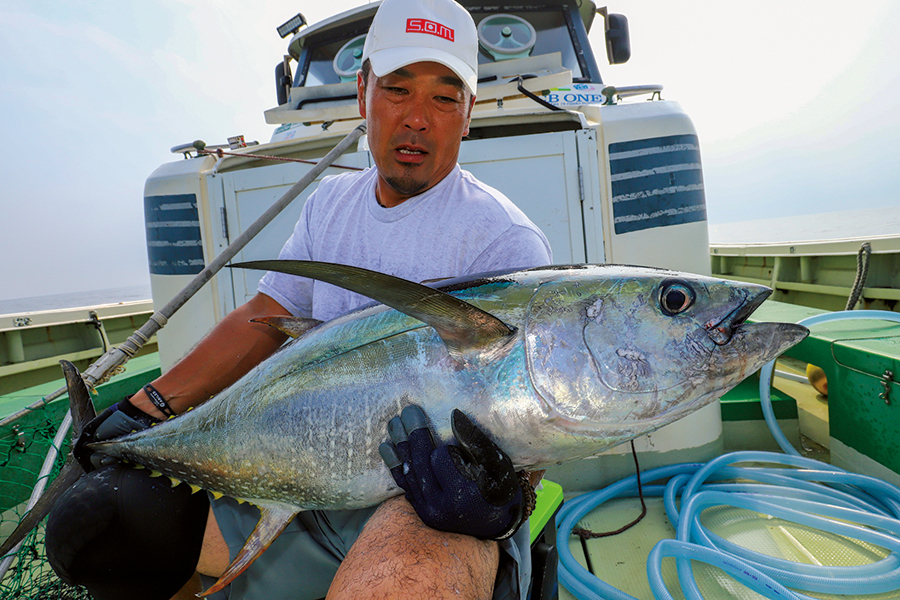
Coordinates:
x,y
558,30
553,35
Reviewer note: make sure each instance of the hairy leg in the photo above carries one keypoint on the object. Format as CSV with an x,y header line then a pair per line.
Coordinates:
x,y
212,562
397,556
214,557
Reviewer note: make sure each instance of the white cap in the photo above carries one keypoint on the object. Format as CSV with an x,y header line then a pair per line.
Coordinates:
x,y
409,31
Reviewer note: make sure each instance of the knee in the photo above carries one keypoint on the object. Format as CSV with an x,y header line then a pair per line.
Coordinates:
x,y
120,533
397,554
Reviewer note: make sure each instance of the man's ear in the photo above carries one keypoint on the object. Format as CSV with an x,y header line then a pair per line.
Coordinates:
x,y
469,115
361,94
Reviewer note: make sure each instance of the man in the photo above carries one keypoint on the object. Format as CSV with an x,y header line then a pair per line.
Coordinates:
x,y
415,215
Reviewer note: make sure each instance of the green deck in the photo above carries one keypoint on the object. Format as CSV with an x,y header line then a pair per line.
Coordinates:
x,y
743,403
26,438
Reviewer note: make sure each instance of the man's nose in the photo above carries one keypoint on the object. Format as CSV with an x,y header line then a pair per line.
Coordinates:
x,y
417,117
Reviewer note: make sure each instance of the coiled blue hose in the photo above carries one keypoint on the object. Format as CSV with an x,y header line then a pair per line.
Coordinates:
x,y
808,492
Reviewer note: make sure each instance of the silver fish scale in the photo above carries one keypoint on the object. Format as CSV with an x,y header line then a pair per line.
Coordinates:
x,y
303,428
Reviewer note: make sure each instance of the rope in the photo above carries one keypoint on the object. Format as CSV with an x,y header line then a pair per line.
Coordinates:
x,y
221,153
587,534
862,272
106,377
160,319
136,340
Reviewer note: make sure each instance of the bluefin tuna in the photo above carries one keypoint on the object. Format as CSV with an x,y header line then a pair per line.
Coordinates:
x,y
555,363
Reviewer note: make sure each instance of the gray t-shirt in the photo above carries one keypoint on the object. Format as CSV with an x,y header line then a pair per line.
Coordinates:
x,y
459,227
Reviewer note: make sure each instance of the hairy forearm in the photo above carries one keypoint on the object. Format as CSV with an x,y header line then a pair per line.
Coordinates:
x,y
229,350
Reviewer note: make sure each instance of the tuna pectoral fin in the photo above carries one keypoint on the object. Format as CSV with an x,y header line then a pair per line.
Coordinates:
x,y
463,327
292,326
274,518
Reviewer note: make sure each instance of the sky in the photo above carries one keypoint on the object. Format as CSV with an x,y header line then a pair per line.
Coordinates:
x,y
795,103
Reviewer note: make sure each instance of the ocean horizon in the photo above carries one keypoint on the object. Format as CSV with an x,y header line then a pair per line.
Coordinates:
x,y
75,299
860,223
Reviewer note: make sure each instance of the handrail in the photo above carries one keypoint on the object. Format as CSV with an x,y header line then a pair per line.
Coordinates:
x,y
626,91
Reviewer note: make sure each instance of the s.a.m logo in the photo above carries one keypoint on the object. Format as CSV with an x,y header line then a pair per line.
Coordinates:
x,y
428,26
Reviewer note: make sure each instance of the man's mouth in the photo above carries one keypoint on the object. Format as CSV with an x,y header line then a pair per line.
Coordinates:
x,y
410,151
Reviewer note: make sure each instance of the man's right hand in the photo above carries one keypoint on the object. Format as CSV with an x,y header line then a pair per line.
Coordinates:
x,y
117,420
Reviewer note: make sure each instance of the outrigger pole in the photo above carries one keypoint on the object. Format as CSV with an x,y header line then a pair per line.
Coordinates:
x,y
118,356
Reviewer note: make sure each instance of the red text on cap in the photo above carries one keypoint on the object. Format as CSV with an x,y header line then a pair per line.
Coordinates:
x,y
428,26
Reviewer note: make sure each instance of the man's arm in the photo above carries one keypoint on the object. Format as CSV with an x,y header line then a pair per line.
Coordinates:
x,y
229,350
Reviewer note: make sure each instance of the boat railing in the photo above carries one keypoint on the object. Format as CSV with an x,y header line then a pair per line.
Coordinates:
x,y
32,343
825,274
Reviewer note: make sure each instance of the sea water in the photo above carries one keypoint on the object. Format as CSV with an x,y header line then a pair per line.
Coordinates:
x,y
861,223
75,299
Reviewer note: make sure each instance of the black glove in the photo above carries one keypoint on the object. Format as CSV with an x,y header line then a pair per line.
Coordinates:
x,y
115,421
469,488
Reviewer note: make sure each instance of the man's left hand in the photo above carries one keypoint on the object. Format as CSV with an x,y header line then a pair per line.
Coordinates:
x,y
470,488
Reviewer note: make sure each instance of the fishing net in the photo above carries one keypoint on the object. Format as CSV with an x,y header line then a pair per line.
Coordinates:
x,y
27,430
23,448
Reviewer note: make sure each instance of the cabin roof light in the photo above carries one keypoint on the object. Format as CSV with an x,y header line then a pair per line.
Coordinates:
x,y
293,25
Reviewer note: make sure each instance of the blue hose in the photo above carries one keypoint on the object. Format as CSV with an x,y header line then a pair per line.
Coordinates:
x,y
800,490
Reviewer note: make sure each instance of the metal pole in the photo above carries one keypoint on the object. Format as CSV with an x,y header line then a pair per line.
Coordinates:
x,y
118,356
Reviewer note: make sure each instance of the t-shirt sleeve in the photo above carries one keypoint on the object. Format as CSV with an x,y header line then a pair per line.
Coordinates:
x,y
519,247
292,292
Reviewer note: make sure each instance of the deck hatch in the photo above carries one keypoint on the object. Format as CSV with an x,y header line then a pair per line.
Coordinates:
x,y
656,182
173,234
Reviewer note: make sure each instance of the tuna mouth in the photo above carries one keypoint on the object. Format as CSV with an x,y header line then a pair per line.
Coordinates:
x,y
721,332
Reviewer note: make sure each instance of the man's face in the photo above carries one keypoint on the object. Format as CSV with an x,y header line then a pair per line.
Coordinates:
x,y
416,118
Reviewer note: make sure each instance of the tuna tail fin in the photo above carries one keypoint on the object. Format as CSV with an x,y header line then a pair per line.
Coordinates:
x,y
70,473
272,521
82,409
80,403
463,327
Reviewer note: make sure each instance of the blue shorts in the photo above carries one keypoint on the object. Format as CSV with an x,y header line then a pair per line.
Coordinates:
x,y
301,563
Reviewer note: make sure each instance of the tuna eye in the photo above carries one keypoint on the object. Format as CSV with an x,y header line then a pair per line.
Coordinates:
x,y
675,297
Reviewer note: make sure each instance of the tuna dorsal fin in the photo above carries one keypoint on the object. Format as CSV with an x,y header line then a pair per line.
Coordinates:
x,y
272,521
292,326
462,326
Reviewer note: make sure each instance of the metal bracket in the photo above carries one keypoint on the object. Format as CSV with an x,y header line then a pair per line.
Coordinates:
x,y
886,380
20,438
98,325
